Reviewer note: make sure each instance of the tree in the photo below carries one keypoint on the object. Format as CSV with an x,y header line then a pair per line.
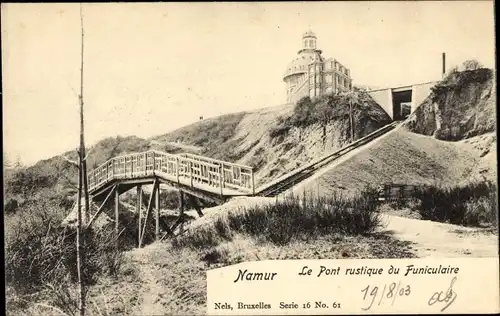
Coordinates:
x,y
471,64
7,164
18,164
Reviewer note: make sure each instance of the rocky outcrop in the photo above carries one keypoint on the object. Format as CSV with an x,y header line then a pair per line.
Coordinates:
x,y
459,107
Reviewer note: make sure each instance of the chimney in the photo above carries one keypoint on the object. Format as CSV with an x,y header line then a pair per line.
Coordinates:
x,y
444,64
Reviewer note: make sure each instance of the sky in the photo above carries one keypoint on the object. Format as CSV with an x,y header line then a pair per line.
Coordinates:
x,y
152,68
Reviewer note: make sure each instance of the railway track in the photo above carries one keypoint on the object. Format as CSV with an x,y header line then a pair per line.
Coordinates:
x,y
289,180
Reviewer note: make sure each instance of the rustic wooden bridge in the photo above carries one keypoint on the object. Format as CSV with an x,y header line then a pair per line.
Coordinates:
x,y
197,177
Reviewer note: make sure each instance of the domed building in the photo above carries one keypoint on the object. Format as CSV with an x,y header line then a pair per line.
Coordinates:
x,y
310,74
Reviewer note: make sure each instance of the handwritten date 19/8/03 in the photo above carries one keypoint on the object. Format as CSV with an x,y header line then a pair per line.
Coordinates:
x,y
388,293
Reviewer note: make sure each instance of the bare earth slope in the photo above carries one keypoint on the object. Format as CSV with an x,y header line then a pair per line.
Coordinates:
x,y
400,157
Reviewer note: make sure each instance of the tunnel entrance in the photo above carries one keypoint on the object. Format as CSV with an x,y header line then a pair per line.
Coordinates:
x,y
401,104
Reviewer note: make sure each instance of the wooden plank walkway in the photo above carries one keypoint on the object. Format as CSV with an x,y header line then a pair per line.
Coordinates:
x,y
193,171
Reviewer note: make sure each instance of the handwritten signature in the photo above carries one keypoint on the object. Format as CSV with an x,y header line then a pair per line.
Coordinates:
x,y
447,297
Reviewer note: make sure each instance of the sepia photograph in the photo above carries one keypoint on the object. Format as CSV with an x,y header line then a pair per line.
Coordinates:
x,y
146,144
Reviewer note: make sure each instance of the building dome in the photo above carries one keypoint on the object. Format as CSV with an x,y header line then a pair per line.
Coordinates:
x,y
309,33
300,64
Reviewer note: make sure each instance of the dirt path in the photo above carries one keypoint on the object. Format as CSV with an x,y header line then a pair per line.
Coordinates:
x,y
433,239
152,290
430,239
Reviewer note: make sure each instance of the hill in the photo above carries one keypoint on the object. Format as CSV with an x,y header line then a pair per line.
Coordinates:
x,y
274,140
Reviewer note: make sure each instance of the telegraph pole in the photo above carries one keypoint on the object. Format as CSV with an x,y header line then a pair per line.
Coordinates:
x,y
350,118
82,141
82,186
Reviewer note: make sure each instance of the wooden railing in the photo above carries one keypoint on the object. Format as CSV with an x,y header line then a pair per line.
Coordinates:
x,y
196,170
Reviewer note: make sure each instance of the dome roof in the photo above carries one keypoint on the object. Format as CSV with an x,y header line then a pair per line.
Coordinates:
x,y
309,33
301,64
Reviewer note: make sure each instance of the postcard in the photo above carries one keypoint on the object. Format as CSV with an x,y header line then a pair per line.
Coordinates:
x,y
250,158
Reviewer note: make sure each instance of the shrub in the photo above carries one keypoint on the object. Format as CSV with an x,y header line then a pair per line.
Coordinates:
x,y
471,64
202,237
291,219
303,112
279,131
457,80
39,252
469,205
27,181
10,205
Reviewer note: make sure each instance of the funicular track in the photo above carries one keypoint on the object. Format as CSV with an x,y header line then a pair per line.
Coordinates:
x,y
290,179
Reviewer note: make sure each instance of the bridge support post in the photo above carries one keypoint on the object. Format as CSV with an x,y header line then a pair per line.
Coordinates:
x,y
253,183
150,206
194,202
191,173
139,214
221,179
177,168
157,212
117,214
181,210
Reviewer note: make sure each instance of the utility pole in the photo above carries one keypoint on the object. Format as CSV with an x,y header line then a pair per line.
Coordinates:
x,y
82,141
350,116
82,186
79,250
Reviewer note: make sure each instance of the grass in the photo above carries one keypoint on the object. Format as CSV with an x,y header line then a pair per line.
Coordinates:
x,y
173,278
290,219
40,257
169,278
474,204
